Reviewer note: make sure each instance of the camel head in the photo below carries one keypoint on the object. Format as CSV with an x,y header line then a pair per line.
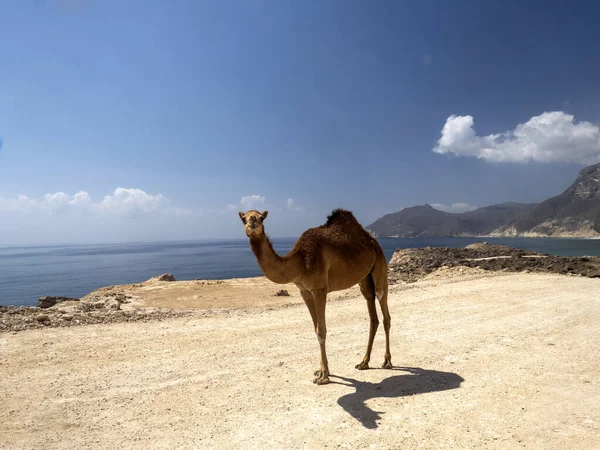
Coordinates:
x,y
253,222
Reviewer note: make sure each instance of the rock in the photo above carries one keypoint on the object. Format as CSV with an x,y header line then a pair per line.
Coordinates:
x,y
477,245
113,305
67,317
413,264
122,298
48,301
282,293
42,318
163,277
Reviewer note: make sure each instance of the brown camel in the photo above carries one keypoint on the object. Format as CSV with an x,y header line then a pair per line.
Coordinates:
x,y
332,257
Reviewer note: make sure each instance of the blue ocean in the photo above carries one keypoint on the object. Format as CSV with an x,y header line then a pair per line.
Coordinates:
x,y
26,273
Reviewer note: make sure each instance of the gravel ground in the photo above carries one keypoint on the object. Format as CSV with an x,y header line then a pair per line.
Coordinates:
x,y
498,362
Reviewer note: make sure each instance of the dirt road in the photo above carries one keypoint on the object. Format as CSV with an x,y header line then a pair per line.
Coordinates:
x,y
497,362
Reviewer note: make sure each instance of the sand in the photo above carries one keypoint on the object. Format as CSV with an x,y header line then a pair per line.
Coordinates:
x,y
497,362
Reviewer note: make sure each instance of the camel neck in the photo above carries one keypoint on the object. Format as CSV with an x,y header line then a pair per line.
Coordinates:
x,y
261,245
278,269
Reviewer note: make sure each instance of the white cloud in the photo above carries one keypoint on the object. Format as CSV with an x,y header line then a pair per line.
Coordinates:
x,y
291,205
549,137
80,199
21,203
121,202
252,201
231,207
131,200
57,199
454,207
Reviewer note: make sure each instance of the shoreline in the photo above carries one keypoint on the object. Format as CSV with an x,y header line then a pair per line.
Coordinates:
x,y
163,297
469,236
89,268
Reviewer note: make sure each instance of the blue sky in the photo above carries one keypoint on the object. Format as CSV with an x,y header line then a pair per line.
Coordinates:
x,y
163,116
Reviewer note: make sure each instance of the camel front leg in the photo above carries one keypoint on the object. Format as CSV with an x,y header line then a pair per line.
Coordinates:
x,y
320,297
310,304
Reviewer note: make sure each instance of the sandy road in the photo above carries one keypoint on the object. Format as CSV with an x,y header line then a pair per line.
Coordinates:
x,y
499,362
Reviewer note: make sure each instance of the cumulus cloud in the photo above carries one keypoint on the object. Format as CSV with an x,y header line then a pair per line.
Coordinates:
x,y
549,137
252,201
131,200
57,199
82,198
21,203
454,207
122,201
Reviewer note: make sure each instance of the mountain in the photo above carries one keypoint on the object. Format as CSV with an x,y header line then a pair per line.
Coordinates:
x,y
574,213
423,221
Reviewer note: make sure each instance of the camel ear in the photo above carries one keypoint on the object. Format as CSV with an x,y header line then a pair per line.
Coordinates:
x,y
241,215
265,214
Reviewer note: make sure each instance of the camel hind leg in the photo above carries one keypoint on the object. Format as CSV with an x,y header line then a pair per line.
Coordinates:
x,y
380,279
367,288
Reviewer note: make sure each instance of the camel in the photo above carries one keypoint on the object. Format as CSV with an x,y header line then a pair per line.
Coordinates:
x,y
331,257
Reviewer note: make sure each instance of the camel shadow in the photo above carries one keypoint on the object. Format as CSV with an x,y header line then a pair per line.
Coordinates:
x,y
415,381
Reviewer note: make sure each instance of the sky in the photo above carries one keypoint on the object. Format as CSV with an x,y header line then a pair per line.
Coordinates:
x,y
152,120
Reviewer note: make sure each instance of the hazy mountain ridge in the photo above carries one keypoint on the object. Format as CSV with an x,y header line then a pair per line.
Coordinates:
x,y
574,213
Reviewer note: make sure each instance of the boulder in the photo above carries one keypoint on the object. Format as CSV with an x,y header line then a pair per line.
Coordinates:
x,y
48,301
42,318
113,305
478,246
163,277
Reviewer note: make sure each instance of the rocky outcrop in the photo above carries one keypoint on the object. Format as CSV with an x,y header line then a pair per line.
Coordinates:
x,y
49,301
104,305
410,265
163,277
24,318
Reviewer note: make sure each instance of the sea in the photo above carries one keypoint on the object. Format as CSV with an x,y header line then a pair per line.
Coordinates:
x,y
26,273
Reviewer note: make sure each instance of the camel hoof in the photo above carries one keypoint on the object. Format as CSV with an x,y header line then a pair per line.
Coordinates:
x,y
321,380
317,373
387,364
362,366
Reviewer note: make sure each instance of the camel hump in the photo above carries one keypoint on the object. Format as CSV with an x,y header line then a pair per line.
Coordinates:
x,y
341,217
